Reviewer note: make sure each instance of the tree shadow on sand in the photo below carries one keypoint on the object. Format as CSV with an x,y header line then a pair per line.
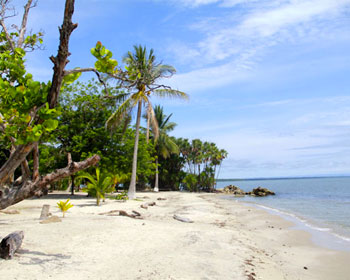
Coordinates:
x,y
39,258
64,196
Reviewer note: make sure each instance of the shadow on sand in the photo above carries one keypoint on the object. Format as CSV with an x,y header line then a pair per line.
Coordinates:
x,y
38,258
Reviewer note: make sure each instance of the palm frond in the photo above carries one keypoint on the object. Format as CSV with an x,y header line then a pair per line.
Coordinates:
x,y
164,92
120,114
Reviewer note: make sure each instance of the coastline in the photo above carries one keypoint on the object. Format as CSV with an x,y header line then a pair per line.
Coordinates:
x,y
228,240
321,234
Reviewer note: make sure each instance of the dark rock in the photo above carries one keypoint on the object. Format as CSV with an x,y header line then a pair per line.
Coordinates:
x,y
259,191
233,190
10,244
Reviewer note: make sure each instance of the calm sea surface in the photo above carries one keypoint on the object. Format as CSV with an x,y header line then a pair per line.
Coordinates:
x,y
320,203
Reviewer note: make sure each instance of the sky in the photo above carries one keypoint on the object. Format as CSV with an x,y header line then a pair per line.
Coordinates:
x,y
268,80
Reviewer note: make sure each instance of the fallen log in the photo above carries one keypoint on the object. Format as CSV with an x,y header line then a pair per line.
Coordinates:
x,y
10,244
182,219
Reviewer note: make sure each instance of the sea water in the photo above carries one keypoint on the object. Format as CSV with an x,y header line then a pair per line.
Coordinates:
x,y
320,204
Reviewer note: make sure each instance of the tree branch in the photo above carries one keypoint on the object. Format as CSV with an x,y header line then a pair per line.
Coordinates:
x,y
8,36
14,194
36,162
23,29
15,159
91,69
60,61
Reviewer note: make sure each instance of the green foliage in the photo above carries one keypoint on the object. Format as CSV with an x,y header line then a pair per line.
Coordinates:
x,y
104,63
98,185
121,196
21,97
202,158
64,206
191,182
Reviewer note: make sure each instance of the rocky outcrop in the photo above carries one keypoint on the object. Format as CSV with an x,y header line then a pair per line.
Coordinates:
x,y
231,189
259,191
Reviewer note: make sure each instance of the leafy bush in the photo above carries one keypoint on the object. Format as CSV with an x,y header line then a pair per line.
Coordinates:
x,y
99,185
190,182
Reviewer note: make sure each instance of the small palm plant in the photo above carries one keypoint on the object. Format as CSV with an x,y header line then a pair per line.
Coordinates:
x,y
99,185
64,206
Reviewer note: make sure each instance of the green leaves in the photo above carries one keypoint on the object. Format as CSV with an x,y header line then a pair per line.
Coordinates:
x,y
104,63
71,78
50,125
64,206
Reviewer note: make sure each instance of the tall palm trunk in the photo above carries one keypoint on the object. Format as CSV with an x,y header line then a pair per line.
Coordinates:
x,y
156,183
132,187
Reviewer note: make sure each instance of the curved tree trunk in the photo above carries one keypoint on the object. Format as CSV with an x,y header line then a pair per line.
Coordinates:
x,y
156,183
132,187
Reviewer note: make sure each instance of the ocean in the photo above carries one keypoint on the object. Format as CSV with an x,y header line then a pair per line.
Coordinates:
x,y
318,205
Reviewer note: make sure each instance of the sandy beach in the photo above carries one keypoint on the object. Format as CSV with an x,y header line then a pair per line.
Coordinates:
x,y
227,240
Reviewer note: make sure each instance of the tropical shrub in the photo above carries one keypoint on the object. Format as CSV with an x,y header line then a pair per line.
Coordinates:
x,y
98,185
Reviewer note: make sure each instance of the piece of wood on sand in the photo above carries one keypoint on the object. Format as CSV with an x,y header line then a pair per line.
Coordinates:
x,y
182,219
10,244
10,212
161,198
134,214
145,205
45,212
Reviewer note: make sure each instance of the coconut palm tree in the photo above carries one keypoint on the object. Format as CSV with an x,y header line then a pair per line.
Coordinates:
x,y
142,75
164,145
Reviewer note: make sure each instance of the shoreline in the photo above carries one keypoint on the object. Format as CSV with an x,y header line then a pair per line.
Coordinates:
x,y
322,234
227,240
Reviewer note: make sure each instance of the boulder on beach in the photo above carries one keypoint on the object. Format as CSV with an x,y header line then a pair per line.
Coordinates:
x,y
231,189
259,191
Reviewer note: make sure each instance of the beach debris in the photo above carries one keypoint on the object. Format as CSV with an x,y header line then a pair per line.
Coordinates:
x,y
249,262
161,198
50,220
10,212
305,267
145,205
251,276
45,212
134,214
10,244
182,219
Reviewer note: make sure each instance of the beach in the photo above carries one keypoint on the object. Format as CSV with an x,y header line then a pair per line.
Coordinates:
x,y
227,240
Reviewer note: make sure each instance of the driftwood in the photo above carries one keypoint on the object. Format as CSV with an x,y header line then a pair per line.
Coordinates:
x,y
10,244
161,198
45,212
134,214
145,205
182,219
10,212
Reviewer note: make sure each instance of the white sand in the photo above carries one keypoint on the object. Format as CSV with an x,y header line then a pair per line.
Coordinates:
x,y
228,240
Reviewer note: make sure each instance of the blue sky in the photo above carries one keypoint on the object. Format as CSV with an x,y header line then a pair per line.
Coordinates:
x,y
269,80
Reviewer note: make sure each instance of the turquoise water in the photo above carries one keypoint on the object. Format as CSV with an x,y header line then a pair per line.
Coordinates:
x,y
320,203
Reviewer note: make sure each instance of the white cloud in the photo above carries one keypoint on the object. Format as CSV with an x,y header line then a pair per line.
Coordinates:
x,y
240,41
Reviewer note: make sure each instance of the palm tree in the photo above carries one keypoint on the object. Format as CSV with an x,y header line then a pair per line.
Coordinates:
x,y
142,73
98,185
164,145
